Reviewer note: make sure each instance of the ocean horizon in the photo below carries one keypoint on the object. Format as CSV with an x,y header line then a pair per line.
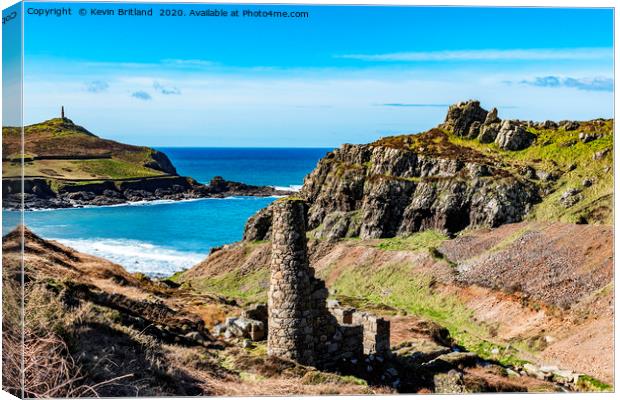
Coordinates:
x,y
162,237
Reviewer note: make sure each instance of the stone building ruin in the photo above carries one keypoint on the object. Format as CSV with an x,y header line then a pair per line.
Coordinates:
x,y
304,326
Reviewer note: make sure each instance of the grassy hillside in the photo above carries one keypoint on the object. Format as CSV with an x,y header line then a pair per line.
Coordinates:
x,y
560,162
571,163
60,149
458,283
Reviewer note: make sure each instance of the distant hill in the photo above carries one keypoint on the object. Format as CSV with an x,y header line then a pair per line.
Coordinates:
x,y
58,148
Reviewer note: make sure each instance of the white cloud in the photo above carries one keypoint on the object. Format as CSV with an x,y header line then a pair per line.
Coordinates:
x,y
141,95
489,55
166,89
97,86
591,83
189,62
299,109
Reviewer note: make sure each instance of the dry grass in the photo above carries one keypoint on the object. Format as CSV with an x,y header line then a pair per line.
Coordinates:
x,y
211,314
287,387
40,366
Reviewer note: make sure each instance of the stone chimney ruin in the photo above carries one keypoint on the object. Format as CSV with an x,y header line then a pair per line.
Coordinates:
x,y
303,326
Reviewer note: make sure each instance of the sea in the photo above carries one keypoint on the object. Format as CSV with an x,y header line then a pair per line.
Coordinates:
x,y
162,237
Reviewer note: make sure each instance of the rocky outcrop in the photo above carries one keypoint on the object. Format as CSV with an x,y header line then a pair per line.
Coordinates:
x,y
241,327
465,118
160,162
219,187
42,193
513,136
401,185
490,128
258,227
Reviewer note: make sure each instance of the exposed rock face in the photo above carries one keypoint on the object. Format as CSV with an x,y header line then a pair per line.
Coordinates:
x,y
241,327
224,188
492,117
490,128
589,137
462,116
301,326
258,227
488,133
569,125
393,187
400,185
161,162
513,136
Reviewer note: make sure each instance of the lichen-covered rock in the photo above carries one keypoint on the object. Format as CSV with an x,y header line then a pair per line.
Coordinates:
x,y
570,197
513,136
489,132
339,224
492,117
599,155
451,382
385,201
462,115
474,129
258,227
569,125
589,137
241,327
549,125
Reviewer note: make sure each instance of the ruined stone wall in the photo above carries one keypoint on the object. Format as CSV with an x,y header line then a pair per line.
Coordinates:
x,y
376,332
303,327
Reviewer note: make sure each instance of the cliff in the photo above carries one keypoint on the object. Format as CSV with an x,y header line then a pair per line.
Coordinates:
x,y
472,170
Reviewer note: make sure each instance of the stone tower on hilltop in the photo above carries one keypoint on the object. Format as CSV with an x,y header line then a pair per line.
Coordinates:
x,y
62,112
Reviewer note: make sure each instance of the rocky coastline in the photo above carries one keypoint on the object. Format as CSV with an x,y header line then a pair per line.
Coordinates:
x,y
461,174
40,193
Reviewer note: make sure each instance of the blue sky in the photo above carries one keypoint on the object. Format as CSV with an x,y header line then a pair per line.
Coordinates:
x,y
344,74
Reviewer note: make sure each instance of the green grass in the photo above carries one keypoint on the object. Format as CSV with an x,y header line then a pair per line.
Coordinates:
x,y
418,241
319,378
590,384
397,285
562,152
400,286
114,168
176,276
248,287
